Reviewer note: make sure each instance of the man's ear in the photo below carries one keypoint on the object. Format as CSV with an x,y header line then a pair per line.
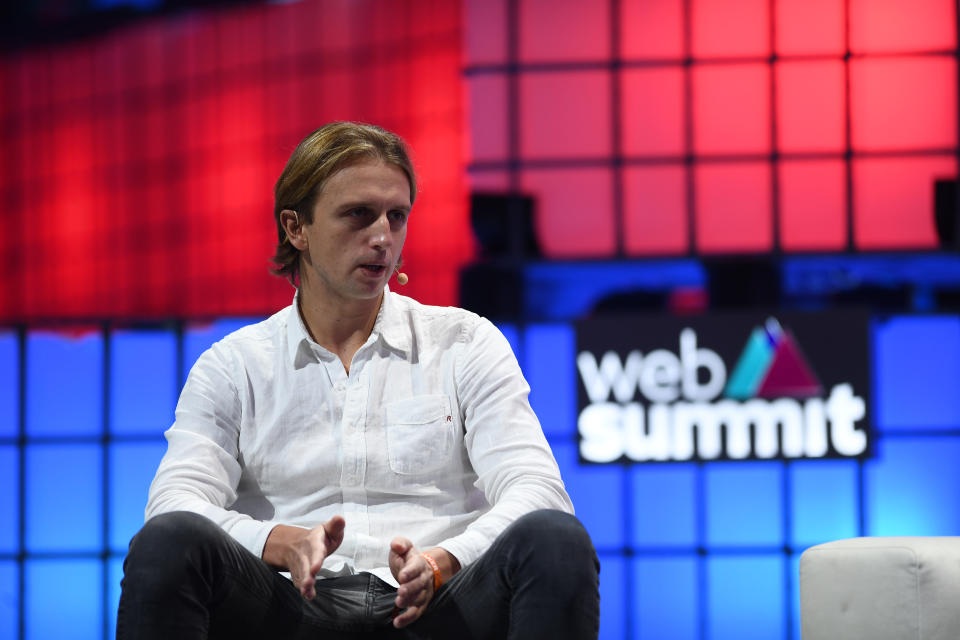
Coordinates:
x,y
291,223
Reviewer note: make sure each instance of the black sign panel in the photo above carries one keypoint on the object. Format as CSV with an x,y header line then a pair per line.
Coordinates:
x,y
723,386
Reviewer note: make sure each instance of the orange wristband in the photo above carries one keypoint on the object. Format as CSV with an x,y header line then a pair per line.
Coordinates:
x,y
437,578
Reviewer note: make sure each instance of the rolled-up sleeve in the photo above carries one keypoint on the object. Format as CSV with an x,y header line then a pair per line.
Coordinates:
x,y
515,467
200,471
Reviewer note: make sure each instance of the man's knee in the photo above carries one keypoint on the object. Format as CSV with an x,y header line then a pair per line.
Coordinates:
x,y
176,529
555,539
552,528
166,543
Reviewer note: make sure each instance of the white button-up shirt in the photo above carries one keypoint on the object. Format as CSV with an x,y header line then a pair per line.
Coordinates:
x,y
430,437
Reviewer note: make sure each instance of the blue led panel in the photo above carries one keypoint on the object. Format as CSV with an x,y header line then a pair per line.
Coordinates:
x,y
597,495
9,499
550,368
132,467
918,372
664,505
9,385
198,338
665,598
64,599
64,384
744,505
64,510
512,334
9,600
143,381
567,290
911,487
793,564
613,605
745,599
823,495
114,576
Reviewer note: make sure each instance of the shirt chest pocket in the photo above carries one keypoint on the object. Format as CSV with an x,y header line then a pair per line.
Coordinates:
x,y
420,434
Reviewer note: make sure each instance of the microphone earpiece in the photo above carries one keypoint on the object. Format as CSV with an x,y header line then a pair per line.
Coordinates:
x,y
401,277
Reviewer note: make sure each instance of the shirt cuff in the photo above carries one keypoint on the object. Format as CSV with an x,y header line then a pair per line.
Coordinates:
x,y
252,534
466,547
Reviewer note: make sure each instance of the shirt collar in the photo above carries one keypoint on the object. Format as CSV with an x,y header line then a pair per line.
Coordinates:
x,y
389,326
298,339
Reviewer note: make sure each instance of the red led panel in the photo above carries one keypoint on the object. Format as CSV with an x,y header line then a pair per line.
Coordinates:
x,y
488,117
335,94
565,114
896,26
893,201
30,83
71,73
563,30
157,141
903,103
199,42
729,28
655,210
731,109
240,40
153,150
485,31
6,88
281,24
733,207
574,211
810,106
651,29
142,59
341,21
809,27
652,111
813,205
488,181
281,116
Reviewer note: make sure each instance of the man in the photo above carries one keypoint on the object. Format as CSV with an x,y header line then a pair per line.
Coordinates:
x,y
381,451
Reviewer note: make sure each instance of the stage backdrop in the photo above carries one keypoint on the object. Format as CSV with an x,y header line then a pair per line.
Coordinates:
x,y
138,166
662,127
135,198
689,549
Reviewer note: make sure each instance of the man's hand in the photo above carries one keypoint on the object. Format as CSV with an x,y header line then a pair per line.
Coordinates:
x,y
302,551
415,576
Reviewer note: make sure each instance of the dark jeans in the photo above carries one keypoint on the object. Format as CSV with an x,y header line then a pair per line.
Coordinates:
x,y
184,577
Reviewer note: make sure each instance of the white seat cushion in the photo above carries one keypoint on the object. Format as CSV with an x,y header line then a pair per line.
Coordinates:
x,y
881,589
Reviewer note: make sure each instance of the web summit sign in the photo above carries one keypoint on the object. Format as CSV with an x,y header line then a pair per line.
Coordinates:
x,y
723,387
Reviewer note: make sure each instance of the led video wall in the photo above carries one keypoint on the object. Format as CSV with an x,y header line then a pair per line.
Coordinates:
x,y
136,185
704,550
138,166
710,550
666,127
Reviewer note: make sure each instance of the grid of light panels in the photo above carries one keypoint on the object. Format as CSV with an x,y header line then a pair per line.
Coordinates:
x,y
672,127
688,550
710,551
138,167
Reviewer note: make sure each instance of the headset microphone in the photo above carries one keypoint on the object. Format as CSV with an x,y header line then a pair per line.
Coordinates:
x,y
401,277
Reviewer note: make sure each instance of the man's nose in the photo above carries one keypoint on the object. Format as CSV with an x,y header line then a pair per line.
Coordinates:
x,y
380,235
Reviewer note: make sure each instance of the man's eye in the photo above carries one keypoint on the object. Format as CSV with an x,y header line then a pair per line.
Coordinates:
x,y
398,216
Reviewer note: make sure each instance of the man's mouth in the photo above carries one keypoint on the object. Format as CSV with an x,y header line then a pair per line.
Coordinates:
x,y
373,269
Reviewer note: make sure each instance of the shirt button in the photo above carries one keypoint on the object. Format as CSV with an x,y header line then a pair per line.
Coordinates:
x,y
339,387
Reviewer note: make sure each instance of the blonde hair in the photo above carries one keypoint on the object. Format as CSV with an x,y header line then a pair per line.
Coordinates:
x,y
321,154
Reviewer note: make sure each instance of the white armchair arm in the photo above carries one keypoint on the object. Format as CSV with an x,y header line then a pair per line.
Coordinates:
x,y
881,589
